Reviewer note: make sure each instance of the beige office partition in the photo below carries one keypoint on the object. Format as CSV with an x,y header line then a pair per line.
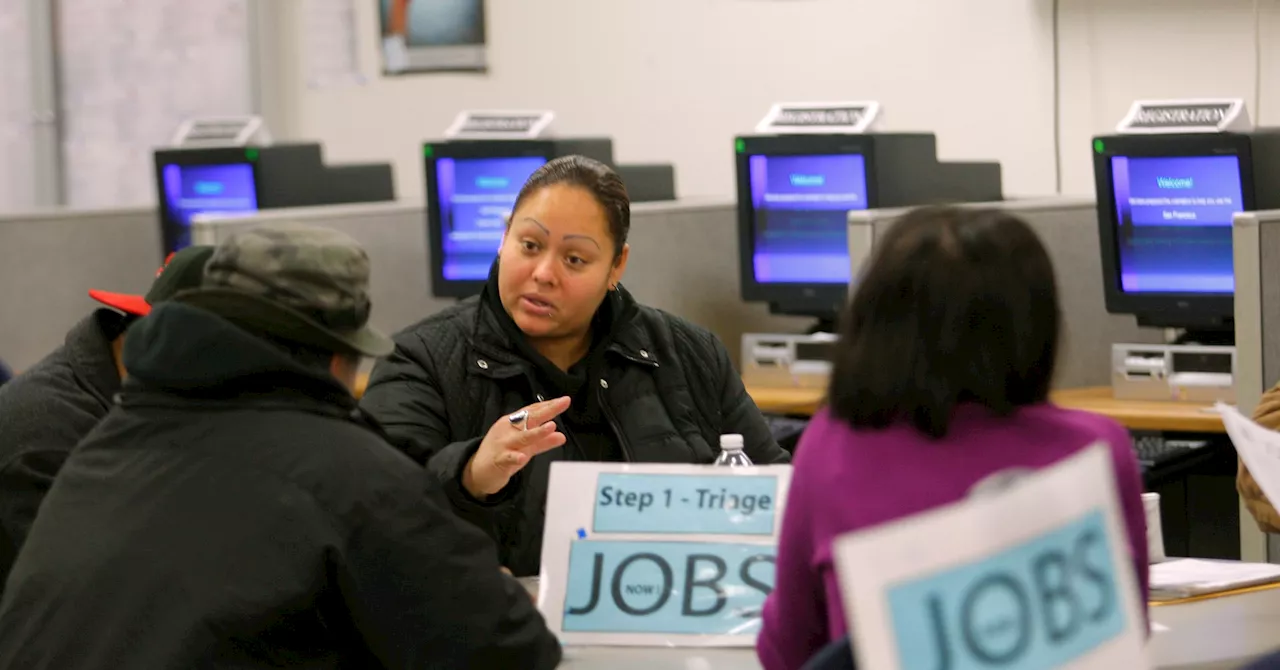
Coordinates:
x,y
1068,227
684,259
1256,246
48,262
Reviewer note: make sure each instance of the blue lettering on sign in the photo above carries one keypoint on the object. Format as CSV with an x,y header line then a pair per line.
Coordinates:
x,y
808,179
492,182
208,187
1038,605
704,504
1175,182
667,587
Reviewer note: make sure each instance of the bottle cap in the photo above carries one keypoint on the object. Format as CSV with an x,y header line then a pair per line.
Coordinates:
x,y
731,441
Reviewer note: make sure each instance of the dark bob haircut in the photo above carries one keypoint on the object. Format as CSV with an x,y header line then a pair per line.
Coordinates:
x,y
957,306
596,178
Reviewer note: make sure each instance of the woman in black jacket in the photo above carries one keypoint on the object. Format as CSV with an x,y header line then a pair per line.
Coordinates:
x,y
556,361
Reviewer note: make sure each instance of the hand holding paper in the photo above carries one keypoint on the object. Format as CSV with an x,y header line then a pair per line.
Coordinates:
x,y
1258,447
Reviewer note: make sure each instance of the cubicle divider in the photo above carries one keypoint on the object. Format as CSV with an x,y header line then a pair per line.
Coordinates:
x,y
1256,247
684,260
1068,227
48,262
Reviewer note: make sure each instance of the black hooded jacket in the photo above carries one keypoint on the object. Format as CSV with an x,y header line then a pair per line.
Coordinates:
x,y
236,510
44,413
655,387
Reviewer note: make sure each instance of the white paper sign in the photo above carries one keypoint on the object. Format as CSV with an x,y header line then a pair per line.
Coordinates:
x,y
1258,447
1148,117
1032,577
820,117
659,555
499,125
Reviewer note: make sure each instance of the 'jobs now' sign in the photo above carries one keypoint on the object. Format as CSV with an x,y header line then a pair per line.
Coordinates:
x,y
1030,578
660,555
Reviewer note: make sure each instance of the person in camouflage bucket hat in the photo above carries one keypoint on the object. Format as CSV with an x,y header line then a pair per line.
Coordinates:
x,y
308,285
238,506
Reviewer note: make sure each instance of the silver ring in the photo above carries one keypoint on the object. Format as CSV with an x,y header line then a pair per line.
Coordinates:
x,y
520,419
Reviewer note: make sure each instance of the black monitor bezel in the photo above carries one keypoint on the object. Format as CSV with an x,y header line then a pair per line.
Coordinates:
x,y
463,149
170,230
1165,310
814,299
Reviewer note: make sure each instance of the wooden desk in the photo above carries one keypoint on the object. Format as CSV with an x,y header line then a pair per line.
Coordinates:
x,y
1132,414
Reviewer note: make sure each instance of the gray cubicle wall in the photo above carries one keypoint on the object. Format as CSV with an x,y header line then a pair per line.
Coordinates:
x,y
49,260
684,259
1256,247
1069,229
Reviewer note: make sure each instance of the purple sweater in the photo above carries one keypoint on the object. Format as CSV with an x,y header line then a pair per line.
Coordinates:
x,y
845,480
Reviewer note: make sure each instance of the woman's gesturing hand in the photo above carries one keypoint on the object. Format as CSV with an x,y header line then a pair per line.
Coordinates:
x,y
510,443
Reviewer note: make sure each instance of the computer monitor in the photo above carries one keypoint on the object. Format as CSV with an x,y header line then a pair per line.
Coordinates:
x,y
794,196
1165,205
471,189
795,193
218,181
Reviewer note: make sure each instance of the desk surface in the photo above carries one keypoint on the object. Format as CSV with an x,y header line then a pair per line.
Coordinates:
x,y
1133,414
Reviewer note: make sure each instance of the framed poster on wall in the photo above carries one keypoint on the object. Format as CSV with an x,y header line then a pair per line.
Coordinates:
x,y
432,36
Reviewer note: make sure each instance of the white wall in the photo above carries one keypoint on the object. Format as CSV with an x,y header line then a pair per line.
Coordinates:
x,y
673,80
1116,51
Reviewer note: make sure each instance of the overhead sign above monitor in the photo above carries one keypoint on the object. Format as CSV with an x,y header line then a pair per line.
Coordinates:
x,y
1186,116
500,125
819,117
231,131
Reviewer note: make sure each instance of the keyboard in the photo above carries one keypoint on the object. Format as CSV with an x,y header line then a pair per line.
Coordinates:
x,y
1154,450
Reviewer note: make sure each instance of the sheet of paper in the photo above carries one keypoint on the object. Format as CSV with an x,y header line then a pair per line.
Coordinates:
x,y
1034,576
1187,577
1258,447
659,555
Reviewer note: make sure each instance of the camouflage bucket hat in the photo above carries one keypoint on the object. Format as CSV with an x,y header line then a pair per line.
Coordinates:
x,y
303,284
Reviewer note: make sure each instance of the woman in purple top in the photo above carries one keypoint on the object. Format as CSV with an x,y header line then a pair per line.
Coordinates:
x,y
941,379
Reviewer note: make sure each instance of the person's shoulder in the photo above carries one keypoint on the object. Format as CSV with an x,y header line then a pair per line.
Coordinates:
x,y
687,337
43,403
1080,424
455,319
49,384
338,460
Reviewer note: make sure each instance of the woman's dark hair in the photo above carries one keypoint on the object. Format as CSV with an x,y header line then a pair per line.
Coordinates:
x,y
598,179
956,306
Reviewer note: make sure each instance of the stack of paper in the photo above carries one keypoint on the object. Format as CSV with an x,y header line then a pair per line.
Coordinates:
x,y
1186,577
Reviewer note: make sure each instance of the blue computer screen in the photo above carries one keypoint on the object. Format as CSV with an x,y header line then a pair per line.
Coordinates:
x,y
475,195
1174,222
800,206
207,189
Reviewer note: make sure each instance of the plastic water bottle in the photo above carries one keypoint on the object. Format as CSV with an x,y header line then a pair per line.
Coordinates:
x,y
731,452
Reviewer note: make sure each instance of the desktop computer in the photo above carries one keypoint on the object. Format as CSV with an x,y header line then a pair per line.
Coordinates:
x,y
1165,207
794,196
471,187
239,179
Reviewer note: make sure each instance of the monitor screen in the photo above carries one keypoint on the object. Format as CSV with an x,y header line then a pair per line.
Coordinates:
x,y
475,196
1174,222
800,223
206,189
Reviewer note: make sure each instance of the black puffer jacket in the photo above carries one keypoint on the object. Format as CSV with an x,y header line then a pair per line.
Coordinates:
x,y
667,388
236,510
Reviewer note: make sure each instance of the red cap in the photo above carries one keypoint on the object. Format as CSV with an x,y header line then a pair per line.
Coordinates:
x,y
129,304
181,270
